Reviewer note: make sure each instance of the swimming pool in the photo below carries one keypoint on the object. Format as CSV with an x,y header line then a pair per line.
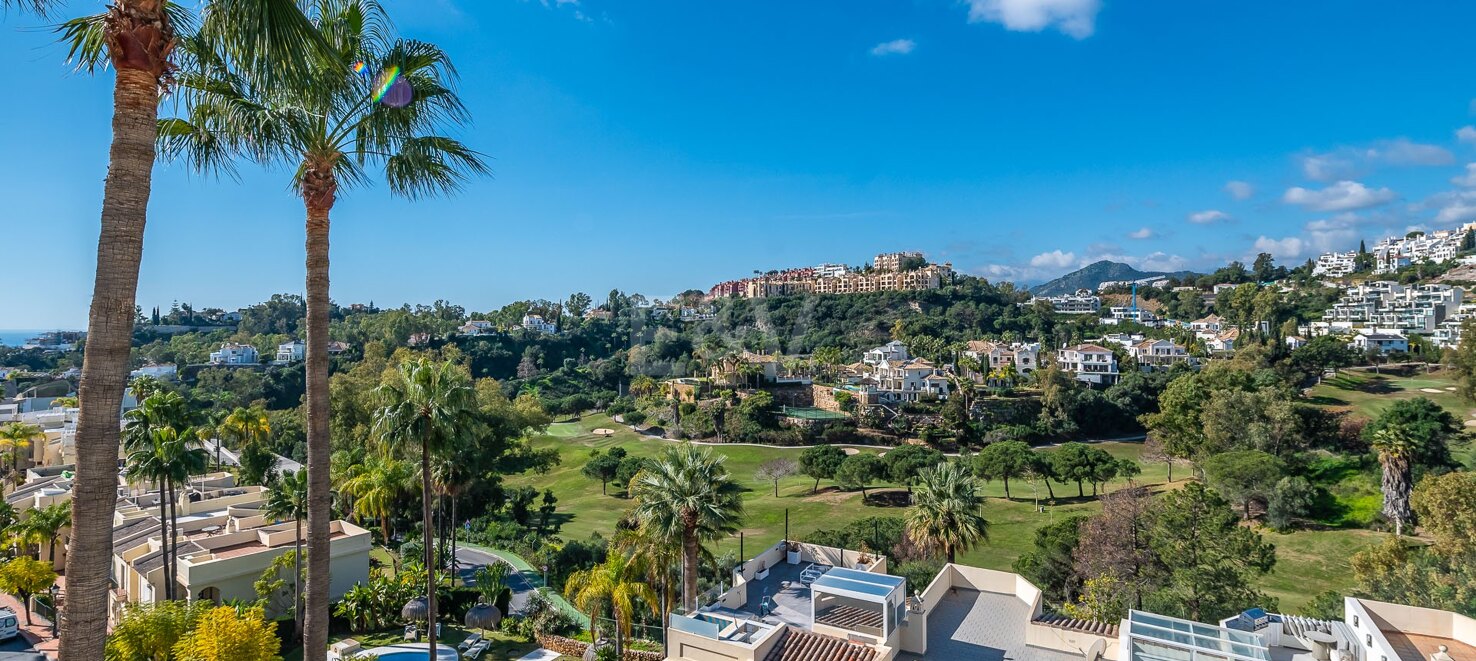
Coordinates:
x,y
412,652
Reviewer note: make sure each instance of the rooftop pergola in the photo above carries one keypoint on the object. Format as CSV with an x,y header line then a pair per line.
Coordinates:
x,y
859,601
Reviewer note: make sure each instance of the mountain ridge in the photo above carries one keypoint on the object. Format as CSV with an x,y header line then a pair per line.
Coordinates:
x,y
1093,275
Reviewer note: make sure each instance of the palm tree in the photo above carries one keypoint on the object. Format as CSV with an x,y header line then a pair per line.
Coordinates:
x,y
430,407
15,437
655,553
689,495
137,39
48,522
168,462
245,426
946,507
376,485
287,499
329,131
1397,449
614,585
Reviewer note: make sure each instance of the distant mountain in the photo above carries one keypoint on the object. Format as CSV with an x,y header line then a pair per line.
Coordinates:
x,y
1092,275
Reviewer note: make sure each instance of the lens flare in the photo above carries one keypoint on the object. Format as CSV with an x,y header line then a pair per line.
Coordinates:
x,y
391,90
360,67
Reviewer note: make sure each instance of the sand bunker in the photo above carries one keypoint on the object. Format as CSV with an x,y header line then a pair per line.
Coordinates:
x,y
604,432
852,451
1436,391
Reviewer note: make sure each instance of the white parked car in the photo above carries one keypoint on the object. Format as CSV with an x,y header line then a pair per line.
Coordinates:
x,y
9,625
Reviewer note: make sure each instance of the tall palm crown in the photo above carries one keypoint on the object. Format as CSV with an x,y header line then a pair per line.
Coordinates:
x,y
689,494
376,486
167,460
615,585
945,511
330,131
155,412
47,523
427,408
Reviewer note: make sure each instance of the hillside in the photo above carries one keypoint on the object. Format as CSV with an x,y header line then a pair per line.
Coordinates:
x,y
1092,275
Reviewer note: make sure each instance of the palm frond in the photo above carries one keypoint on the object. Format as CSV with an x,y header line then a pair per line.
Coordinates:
x,y
431,165
272,39
86,40
38,7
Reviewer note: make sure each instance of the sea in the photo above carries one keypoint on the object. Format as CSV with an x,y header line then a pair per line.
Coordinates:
x,y
15,338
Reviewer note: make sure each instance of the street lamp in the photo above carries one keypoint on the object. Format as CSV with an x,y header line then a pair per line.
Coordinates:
x,y
545,575
55,608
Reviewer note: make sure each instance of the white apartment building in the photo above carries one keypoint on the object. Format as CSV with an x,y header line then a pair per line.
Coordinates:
x,y
892,261
538,324
1081,302
163,372
1335,264
831,270
290,352
232,353
1024,356
1417,309
1394,253
1090,363
1133,314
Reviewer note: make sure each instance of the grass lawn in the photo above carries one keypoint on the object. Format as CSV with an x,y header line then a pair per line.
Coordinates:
x,y
504,647
1368,393
1311,562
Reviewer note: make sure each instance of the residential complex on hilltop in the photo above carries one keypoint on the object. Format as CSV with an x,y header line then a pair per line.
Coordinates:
x,y
898,271
1392,254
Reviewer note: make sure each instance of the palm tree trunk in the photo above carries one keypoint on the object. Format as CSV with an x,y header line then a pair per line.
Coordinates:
x,y
173,554
318,192
297,583
453,540
426,523
164,537
84,621
689,567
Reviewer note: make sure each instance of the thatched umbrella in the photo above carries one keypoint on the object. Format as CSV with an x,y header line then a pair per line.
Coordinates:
x,y
483,616
415,610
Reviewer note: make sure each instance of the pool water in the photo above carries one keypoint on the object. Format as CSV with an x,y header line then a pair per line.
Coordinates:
x,y
413,652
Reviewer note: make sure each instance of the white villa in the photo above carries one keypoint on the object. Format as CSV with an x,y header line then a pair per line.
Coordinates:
x,y
477,327
1385,343
1090,363
538,324
290,352
1159,354
1081,302
232,353
1024,356
891,351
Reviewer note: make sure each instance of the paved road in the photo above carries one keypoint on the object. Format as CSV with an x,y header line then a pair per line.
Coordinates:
x,y
469,560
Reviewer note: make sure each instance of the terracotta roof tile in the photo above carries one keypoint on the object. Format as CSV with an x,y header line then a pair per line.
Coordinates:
x,y
801,645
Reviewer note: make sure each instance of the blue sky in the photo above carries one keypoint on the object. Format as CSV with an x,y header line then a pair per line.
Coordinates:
x,y
659,146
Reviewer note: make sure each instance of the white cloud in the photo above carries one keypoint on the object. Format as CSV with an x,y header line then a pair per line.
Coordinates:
x,y
1161,261
1346,162
1208,217
1466,133
1467,180
1288,248
1454,207
1240,190
1055,259
894,47
1342,196
1335,233
1141,233
1076,18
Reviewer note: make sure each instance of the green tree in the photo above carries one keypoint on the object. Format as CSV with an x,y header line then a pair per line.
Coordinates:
x,y
1244,477
15,437
688,494
1410,433
1003,460
1463,360
23,577
947,515
904,464
376,486
1211,563
858,471
287,499
1082,463
166,460
1446,505
47,523
150,631
1293,497
1050,563
224,633
427,408
821,462
329,129
603,466
616,586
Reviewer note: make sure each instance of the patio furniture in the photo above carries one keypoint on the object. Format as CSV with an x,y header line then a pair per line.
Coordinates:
x,y
343,650
470,640
476,650
411,633
809,574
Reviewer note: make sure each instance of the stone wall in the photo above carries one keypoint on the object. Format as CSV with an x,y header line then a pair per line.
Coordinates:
x,y
824,397
576,648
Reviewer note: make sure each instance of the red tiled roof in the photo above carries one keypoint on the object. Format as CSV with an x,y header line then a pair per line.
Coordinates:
x,y
801,645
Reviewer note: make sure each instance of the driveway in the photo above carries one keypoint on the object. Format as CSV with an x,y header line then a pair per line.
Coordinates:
x,y
469,560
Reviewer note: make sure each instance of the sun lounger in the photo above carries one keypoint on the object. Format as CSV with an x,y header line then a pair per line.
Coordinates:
x,y
476,650
470,640
411,633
